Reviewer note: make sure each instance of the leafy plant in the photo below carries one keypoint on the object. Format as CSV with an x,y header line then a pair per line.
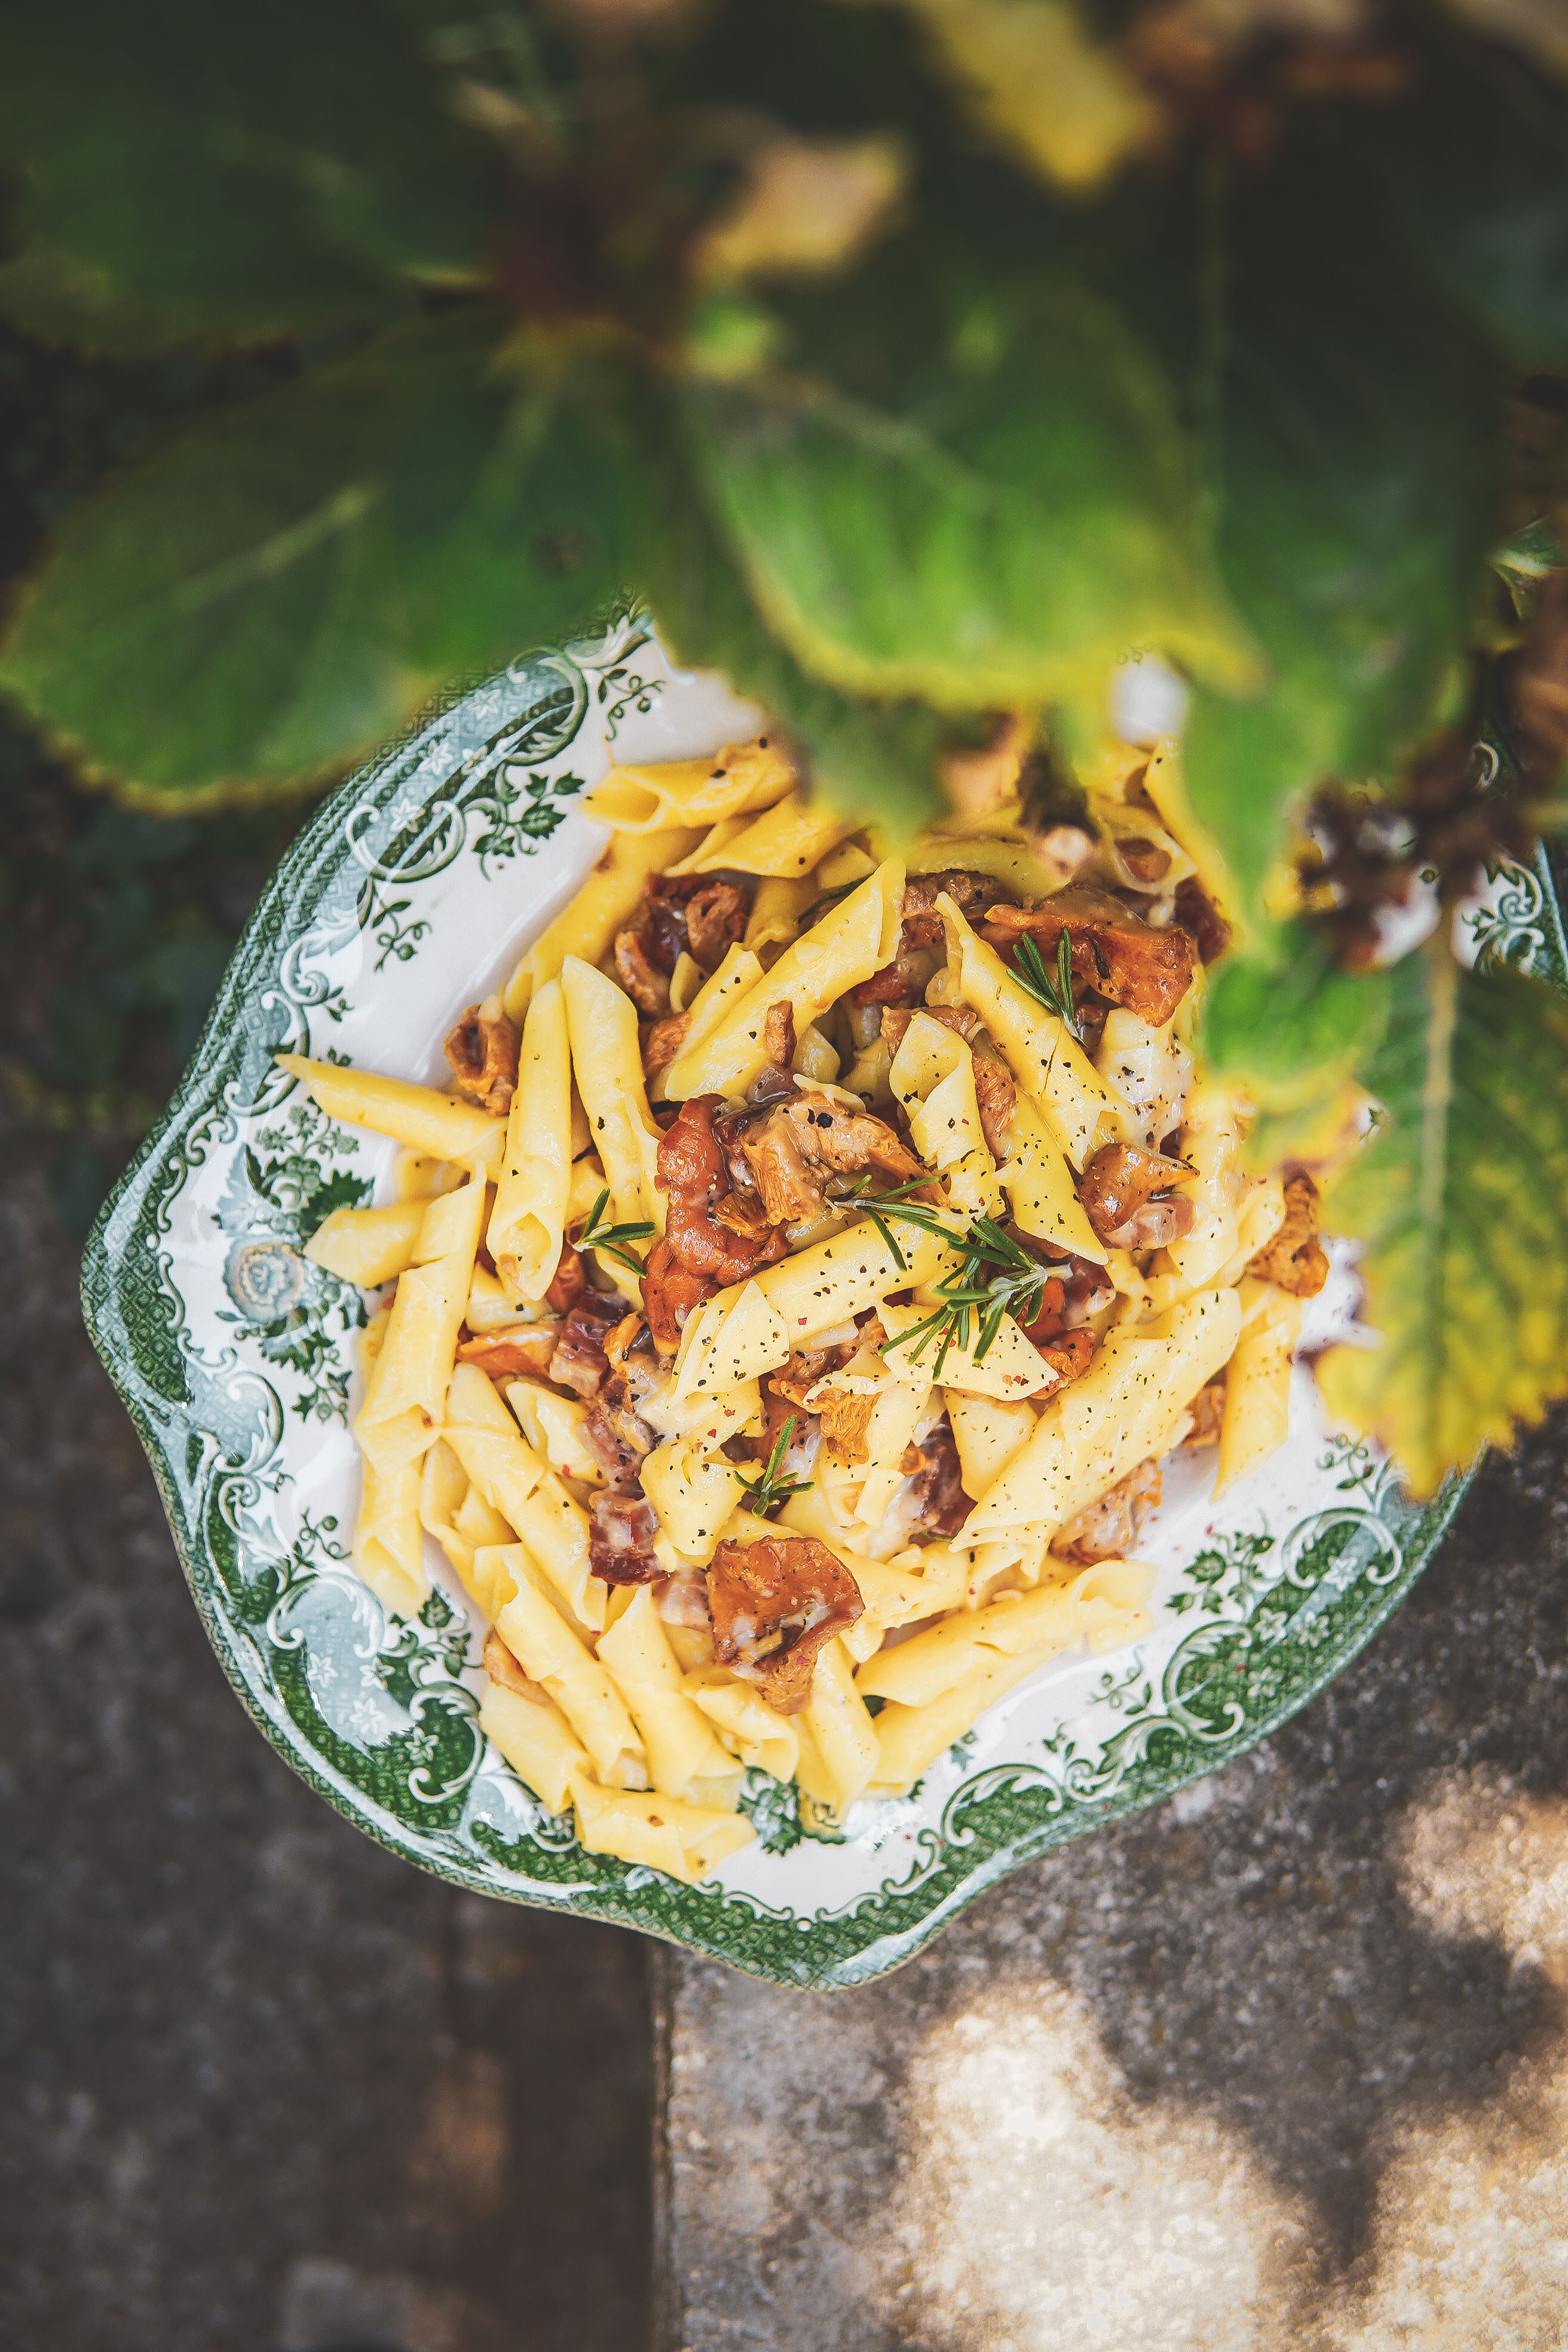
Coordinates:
x,y
912,363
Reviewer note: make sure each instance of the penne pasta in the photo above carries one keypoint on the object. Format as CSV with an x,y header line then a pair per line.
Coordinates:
x,y
514,1481
656,1832
533,1194
734,782
910,1739
786,842
1079,1109
1256,1410
417,1116
685,1757
537,1741
607,1057
406,1394
553,1655
1105,1601
386,1549
370,1246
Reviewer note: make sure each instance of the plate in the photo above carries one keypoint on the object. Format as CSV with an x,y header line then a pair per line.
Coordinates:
x,y
409,895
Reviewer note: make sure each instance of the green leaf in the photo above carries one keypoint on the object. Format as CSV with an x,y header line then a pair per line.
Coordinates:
x,y
191,170
1000,538
1477,171
1293,1028
1355,434
282,588
1463,1204
876,761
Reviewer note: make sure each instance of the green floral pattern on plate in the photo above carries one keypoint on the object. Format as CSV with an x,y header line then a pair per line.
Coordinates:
x,y
411,891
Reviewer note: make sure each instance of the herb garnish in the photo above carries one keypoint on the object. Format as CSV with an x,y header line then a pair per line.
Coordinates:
x,y
1016,1287
901,1199
1031,973
611,1239
770,1490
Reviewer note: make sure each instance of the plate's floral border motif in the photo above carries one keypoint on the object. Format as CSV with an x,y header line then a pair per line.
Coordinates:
x,y
234,1355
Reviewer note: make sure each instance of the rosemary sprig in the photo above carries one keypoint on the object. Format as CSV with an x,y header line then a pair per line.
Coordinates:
x,y
973,1295
910,1211
611,1239
770,1490
1029,969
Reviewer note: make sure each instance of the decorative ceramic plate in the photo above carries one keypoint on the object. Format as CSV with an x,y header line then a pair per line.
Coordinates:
x,y
411,894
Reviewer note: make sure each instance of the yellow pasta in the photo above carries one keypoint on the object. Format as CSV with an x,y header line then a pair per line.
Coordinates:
x,y
529,1495
987,1433
693,1495
932,1074
1211,1142
851,941
1080,1110
551,1654
417,1117
608,1059
369,1246
739,779
752,1731
532,1195
406,1394
1111,1419
1105,1601
686,1842
786,842
1256,1411
606,901
537,1741
553,1426
685,1757
387,1550
1010,1369
1038,1183
910,1739
838,1736
462,1522
776,911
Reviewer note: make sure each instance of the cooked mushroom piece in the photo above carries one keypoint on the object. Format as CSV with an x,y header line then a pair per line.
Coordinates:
x,y
1115,954
1295,1260
579,1362
524,1351
1126,1192
802,1144
774,1603
1108,1529
481,1052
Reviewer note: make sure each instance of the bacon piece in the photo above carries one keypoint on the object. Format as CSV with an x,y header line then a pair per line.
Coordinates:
x,y
481,1052
803,1143
503,1668
778,1034
713,1233
1120,1187
1108,1529
579,1362
1295,1259
939,1501
1196,913
661,1043
774,1603
1114,953
525,1349
618,1441
644,982
568,1281
972,893
716,919
621,1532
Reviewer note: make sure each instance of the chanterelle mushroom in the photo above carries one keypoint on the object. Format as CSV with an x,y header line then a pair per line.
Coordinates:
x,y
801,1144
481,1052
774,1603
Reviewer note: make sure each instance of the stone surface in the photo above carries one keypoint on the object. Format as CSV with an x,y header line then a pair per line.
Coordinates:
x,y
265,2086
1284,2061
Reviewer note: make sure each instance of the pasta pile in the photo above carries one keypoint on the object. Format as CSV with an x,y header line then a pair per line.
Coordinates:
x,y
799,1287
